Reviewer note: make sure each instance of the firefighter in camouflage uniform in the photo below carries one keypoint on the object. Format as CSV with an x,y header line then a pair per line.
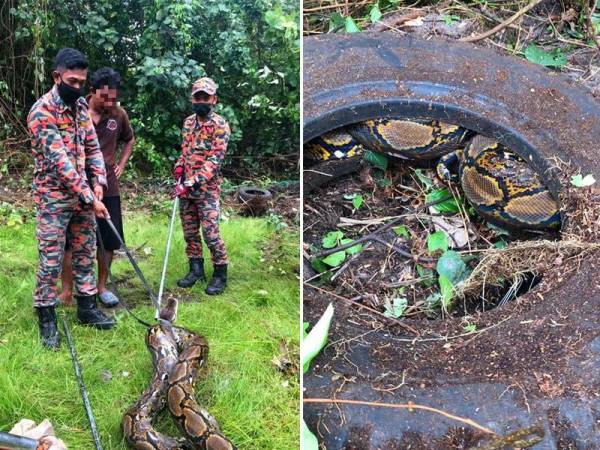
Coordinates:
x,y
197,172
65,146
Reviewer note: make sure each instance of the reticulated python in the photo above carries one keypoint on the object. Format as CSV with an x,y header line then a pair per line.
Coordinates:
x,y
502,187
177,355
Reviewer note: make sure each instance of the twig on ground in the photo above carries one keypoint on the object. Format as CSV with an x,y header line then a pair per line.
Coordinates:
x,y
502,25
371,235
360,305
410,406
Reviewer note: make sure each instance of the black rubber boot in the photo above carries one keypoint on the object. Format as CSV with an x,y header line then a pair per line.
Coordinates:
x,y
196,273
218,282
89,314
48,327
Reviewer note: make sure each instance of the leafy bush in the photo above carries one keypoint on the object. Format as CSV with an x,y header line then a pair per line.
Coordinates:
x,y
250,48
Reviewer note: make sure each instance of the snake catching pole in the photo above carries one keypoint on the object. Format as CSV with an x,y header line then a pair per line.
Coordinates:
x,y
134,264
82,390
166,260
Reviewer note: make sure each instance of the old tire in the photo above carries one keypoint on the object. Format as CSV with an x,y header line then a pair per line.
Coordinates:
x,y
538,113
541,115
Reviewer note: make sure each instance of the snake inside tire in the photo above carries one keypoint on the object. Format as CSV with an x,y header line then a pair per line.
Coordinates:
x,y
499,184
537,114
177,355
351,78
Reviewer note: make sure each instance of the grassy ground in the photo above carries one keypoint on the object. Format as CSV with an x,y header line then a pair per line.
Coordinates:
x,y
256,404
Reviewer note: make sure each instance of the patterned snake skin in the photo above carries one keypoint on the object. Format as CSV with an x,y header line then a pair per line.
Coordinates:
x,y
502,187
177,355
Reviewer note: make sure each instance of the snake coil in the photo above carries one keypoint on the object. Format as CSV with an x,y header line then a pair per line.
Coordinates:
x,y
177,355
501,186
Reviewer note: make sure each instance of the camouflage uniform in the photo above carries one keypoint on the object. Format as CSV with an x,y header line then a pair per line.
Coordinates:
x,y
203,150
64,148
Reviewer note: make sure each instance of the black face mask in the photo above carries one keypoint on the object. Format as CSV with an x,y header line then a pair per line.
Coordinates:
x,y
202,109
68,93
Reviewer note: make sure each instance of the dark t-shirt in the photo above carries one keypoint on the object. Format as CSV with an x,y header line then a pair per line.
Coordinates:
x,y
112,129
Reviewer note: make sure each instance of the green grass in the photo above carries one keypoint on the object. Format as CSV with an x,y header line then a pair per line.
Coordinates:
x,y
256,405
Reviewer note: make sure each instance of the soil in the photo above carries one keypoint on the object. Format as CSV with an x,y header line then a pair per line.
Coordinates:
x,y
527,363
378,274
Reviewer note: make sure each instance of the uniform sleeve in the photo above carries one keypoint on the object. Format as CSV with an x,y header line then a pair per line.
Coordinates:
x,y
216,155
126,130
42,126
94,161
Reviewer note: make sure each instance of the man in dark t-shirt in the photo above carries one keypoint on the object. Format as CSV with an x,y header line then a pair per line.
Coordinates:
x,y
113,128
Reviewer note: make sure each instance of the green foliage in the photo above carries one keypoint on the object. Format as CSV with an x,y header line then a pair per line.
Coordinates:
x,y
451,270
316,339
250,48
396,307
312,343
580,181
357,200
309,440
351,26
376,159
402,231
335,259
428,182
447,206
437,241
554,58
451,266
332,239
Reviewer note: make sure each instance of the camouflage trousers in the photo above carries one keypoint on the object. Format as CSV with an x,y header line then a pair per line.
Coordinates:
x,y
55,224
202,211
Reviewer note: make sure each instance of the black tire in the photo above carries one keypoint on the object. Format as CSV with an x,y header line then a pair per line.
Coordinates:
x,y
249,194
539,114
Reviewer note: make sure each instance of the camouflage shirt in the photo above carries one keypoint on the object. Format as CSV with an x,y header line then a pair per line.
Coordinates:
x,y
64,146
203,150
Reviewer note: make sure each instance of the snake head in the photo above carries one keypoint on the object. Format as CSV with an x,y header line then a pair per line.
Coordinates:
x,y
169,312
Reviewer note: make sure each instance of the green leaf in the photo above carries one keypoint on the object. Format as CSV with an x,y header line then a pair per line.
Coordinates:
x,y
332,239
309,440
446,289
352,250
336,21
450,19
335,259
437,241
500,244
434,299
351,26
451,266
375,13
376,159
427,275
319,265
428,182
470,328
316,339
579,181
357,201
447,206
555,58
396,309
402,230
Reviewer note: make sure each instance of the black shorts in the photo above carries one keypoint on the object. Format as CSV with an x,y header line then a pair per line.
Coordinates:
x,y
110,241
